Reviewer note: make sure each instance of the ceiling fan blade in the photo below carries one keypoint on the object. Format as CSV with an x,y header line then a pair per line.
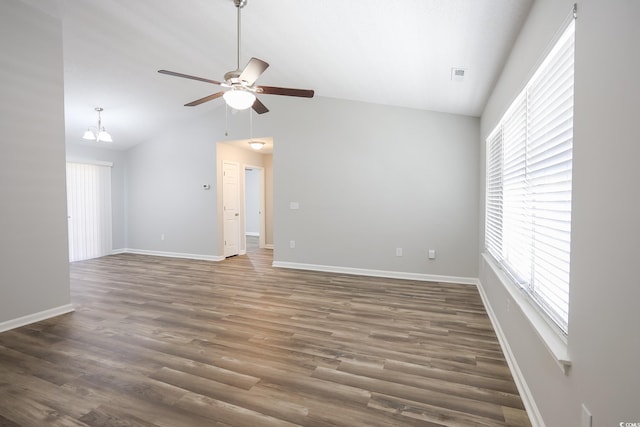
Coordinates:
x,y
272,90
259,107
187,76
205,99
253,70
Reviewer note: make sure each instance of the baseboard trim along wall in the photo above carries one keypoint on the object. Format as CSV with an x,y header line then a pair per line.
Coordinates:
x,y
35,317
525,394
168,254
377,273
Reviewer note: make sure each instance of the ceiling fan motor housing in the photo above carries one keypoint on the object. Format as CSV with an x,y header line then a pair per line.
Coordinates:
x,y
232,76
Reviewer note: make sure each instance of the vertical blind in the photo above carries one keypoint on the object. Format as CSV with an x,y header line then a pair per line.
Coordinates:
x,y
89,210
529,168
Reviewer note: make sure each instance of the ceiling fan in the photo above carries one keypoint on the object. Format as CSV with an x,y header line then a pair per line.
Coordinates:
x,y
242,90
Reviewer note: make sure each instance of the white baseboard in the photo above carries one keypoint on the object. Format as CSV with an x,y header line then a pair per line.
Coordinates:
x,y
35,317
525,393
170,254
377,273
118,251
252,233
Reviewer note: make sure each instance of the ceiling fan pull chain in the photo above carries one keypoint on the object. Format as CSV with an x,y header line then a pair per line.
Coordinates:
x,y
226,119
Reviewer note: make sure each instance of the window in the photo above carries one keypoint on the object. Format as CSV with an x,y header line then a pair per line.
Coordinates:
x,y
528,186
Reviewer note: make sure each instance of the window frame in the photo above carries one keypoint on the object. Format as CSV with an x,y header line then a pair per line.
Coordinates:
x,y
503,171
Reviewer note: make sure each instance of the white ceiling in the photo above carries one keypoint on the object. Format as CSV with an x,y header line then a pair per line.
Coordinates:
x,y
393,52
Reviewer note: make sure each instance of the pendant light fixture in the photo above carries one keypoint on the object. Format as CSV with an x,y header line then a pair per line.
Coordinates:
x,y
97,133
256,145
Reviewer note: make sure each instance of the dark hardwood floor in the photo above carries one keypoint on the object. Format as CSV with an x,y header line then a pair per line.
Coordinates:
x,y
170,342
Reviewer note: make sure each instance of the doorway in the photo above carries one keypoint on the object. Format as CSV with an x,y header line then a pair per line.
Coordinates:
x,y
254,208
255,189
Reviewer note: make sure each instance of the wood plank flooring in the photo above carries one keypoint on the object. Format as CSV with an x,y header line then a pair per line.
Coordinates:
x,y
169,342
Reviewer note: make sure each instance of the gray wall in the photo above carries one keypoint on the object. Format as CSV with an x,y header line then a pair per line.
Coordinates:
x,y
371,178
164,179
85,153
603,341
34,269
368,178
164,190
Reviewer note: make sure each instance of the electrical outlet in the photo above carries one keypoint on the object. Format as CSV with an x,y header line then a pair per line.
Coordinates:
x,y
292,244
162,236
398,251
432,254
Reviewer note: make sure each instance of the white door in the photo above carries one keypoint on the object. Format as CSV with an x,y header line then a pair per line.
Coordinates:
x,y
231,207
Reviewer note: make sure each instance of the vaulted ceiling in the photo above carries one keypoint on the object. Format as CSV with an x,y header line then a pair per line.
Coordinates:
x,y
393,52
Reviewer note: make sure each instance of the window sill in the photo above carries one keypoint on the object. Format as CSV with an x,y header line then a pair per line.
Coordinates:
x,y
554,340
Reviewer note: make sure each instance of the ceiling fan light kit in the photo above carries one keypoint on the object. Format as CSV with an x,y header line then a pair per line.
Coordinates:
x,y
242,90
100,134
239,99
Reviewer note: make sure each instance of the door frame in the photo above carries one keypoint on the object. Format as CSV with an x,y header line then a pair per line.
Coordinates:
x,y
222,154
239,214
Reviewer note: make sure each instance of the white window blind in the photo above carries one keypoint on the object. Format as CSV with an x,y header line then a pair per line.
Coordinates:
x,y
529,168
493,217
89,210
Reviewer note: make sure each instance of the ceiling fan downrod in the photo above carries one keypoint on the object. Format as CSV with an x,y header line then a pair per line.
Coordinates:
x,y
239,5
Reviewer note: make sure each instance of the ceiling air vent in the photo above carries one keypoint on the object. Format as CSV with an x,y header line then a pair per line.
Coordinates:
x,y
457,74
